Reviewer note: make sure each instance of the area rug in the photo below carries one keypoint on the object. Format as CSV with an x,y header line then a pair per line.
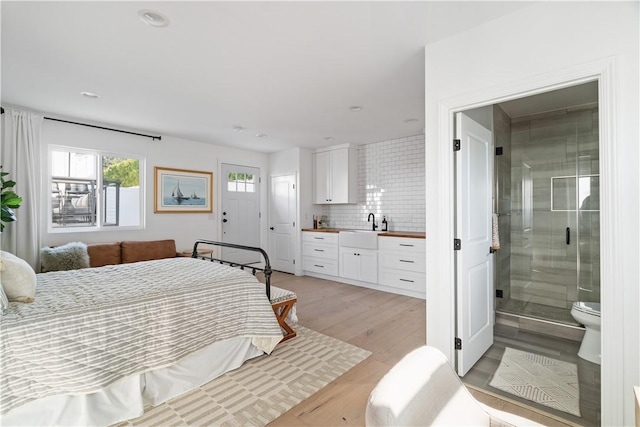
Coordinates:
x,y
263,388
543,380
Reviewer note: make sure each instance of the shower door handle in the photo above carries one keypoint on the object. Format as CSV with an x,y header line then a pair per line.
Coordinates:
x,y
568,235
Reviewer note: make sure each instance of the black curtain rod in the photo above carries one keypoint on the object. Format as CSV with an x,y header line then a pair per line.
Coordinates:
x,y
159,138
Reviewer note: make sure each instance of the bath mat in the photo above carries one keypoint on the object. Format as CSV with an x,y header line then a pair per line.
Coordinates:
x,y
263,388
543,380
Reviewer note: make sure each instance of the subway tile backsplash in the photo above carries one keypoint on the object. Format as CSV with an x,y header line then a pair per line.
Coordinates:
x,y
390,183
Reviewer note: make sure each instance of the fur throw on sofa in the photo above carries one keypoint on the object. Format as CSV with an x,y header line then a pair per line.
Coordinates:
x,y
70,256
18,278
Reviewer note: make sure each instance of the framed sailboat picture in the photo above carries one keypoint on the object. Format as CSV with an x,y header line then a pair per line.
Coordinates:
x,y
182,191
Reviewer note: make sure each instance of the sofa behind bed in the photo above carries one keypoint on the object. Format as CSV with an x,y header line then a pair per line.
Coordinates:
x,y
129,251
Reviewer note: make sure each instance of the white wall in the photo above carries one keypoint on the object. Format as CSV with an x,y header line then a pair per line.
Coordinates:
x,y
169,152
546,41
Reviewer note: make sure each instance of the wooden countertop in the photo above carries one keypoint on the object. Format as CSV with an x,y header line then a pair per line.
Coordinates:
x,y
410,234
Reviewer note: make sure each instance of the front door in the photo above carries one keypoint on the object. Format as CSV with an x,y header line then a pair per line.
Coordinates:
x,y
240,212
474,282
282,219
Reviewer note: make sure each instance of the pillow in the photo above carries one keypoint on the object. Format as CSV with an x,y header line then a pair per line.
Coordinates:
x,y
4,301
70,256
18,278
133,251
104,254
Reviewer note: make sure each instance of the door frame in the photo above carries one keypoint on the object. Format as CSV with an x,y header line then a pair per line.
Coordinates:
x,y
440,262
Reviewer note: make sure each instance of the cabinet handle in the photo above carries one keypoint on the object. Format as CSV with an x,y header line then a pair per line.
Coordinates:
x,y
406,280
404,244
319,238
316,265
406,260
319,250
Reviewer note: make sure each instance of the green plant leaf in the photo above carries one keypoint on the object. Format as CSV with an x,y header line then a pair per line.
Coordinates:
x,y
8,184
11,200
7,214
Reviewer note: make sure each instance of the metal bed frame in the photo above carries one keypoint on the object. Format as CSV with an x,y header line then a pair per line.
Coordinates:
x,y
267,265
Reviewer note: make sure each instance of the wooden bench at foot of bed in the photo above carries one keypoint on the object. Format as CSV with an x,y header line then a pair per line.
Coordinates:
x,y
282,302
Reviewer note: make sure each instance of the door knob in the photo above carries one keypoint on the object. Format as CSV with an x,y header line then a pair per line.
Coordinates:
x,y
225,220
270,228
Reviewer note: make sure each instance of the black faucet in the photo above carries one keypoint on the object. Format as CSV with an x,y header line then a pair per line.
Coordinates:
x,y
374,226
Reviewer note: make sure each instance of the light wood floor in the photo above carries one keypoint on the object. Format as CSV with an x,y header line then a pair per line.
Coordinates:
x,y
386,324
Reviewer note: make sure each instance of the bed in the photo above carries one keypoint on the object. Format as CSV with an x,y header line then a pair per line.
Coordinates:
x,y
99,345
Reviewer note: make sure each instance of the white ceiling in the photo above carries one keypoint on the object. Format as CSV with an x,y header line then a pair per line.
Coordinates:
x,y
289,70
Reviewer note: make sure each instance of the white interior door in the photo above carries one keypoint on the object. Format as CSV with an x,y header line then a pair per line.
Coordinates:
x,y
282,219
474,282
240,211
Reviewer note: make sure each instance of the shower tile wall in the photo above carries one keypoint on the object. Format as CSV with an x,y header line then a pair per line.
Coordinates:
x,y
502,173
543,267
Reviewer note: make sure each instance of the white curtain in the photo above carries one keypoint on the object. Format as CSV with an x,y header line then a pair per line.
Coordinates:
x,y
20,156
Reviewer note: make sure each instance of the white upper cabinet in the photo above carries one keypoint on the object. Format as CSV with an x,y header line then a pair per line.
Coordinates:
x,y
335,176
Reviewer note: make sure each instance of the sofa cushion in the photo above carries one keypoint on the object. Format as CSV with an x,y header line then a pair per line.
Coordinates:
x,y
104,254
70,256
133,251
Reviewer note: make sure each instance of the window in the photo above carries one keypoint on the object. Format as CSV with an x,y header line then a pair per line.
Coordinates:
x,y
241,182
94,190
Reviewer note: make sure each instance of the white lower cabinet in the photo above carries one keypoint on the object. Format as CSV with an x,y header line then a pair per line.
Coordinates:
x,y
402,265
320,252
398,265
359,264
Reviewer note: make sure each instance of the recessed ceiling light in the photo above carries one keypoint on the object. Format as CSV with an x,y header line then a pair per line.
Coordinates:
x,y
355,108
153,18
329,138
261,135
238,128
90,94
411,120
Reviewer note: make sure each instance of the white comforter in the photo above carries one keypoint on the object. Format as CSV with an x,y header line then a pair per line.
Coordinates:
x,y
88,328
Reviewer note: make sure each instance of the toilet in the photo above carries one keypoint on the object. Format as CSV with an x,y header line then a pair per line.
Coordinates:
x,y
588,314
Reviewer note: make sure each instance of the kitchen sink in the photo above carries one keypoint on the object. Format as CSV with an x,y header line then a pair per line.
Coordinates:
x,y
361,239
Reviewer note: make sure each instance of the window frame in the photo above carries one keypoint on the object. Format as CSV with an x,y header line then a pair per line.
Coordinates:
x,y
100,154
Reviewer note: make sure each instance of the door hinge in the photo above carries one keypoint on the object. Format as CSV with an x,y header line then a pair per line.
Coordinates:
x,y
499,151
294,186
259,180
456,145
294,262
457,244
259,214
457,344
294,223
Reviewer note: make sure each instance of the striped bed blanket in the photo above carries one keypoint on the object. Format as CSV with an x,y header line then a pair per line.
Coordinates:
x,y
89,328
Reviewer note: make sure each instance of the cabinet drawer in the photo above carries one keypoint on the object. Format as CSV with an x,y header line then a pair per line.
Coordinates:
x,y
403,261
310,236
401,244
319,265
319,250
404,280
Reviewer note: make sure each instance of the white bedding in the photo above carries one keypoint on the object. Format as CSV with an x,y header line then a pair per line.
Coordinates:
x,y
90,329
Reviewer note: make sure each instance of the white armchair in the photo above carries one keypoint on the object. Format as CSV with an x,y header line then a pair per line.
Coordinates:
x,y
424,390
